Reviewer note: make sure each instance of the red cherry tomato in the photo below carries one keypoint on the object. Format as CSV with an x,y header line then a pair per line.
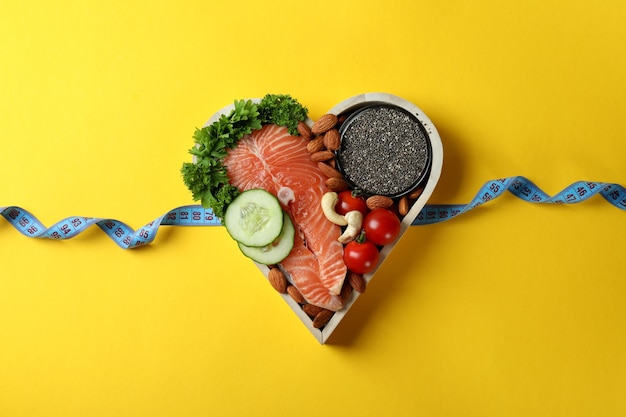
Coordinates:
x,y
349,202
381,226
360,257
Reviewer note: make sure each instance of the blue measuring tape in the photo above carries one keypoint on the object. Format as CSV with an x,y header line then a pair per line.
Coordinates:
x,y
195,215
119,232
524,189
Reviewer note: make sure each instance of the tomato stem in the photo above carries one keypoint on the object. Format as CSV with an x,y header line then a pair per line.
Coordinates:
x,y
361,238
356,193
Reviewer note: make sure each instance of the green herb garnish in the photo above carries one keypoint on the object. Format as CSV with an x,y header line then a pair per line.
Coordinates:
x,y
206,178
282,110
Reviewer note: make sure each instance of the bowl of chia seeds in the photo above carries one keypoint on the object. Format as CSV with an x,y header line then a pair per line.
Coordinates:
x,y
385,150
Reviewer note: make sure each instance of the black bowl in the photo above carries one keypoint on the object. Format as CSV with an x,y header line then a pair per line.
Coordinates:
x,y
385,150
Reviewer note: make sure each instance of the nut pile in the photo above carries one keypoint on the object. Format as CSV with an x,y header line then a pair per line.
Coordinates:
x,y
323,140
319,316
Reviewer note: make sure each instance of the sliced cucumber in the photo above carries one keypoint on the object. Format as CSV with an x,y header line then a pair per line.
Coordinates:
x,y
275,251
254,218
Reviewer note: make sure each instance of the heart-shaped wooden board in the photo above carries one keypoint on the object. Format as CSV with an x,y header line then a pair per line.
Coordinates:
x,y
346,108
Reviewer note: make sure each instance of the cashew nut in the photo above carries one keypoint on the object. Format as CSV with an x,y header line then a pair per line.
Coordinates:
x,y
355,221
329,201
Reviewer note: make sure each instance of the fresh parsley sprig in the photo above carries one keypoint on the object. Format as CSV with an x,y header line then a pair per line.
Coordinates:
x,y
207,178
282,110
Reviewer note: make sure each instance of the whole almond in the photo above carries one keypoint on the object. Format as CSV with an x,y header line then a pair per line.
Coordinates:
x,y
332,140
304,130
337,184
346,291
322,318
324,123
378,201
316,145
295,294
357,282
403,206
414,195
322,156
278,280
329,171
311,310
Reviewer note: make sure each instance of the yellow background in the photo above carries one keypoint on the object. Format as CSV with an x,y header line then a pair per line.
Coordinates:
x,y
511,310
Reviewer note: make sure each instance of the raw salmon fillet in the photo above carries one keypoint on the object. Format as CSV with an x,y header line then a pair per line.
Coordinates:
x,y
272,159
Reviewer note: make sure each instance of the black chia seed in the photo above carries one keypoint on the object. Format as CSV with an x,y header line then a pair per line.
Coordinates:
x,y
383,151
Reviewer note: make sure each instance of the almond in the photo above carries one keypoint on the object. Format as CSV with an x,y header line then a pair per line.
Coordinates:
x,y
332,140
295,294
337,184
322,156
324,123
311,310
329,171
304,130
403,206
278,280
316,145
346,291
357,282
322,318
414,195
378,201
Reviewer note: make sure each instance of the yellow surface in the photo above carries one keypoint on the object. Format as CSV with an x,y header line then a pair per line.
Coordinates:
x,y
510,310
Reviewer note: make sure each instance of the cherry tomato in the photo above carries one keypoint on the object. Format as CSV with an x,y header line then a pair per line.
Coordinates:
x,y
381,226
360,257
349,202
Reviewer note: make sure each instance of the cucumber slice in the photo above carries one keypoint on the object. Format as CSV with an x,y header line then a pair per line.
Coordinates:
x,y
275,251
254,218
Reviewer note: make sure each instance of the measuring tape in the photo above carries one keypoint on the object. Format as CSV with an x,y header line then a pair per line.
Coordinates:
x,y
119,232
527,191
195,215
